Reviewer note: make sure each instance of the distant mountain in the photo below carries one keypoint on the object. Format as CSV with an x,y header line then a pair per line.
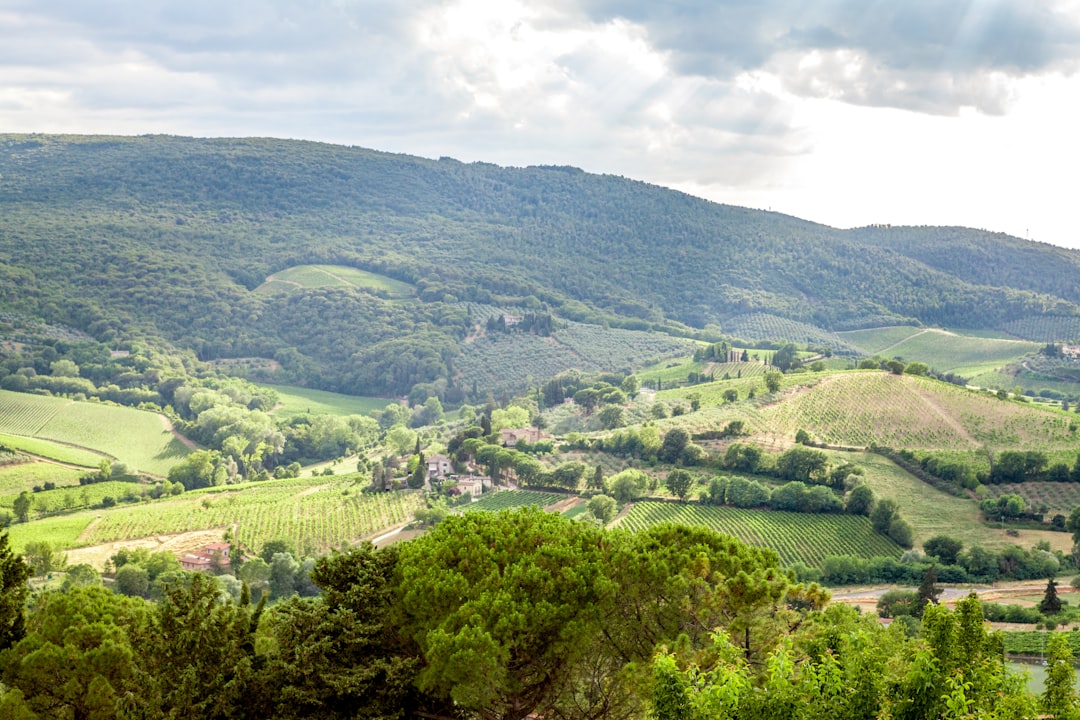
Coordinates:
x,y
166,239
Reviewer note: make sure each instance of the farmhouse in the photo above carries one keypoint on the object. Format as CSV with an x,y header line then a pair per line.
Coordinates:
x,y
1071,351
205,559
439,466
512,436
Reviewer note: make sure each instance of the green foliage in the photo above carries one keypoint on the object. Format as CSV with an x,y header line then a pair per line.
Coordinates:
x,y
14,573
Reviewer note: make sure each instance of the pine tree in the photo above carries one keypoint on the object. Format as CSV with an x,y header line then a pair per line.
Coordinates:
x,y
1051,603
928,590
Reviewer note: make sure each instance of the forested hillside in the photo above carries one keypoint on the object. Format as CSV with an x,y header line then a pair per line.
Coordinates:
x,y
166,239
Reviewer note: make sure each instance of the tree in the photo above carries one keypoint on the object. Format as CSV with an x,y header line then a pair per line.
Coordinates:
x,y
341,655
675,442
502,632
14,573
785,358
196,656
602,507
928,591
773,380
803,465
42,558
271,548
596,482
944,548
132,580
679,483
21,506
1059,696
627,485
860,500
883,514
1050,603
76,660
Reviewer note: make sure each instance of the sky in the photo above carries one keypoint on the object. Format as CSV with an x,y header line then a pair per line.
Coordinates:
x,y
844,112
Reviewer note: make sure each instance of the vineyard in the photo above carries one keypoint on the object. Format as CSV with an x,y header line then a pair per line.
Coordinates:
x,y
1033,642
1045,328
762,326
78,496
861,409
796,537
299,401
135,437
318,515
508,499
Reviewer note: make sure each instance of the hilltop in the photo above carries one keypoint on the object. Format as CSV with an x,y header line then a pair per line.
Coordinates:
x,y
185,243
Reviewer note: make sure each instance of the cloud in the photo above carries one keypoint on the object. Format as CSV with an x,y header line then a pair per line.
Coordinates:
x,y
930,56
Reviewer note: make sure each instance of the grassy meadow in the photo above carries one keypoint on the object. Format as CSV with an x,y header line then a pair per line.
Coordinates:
x,y
299,401
135,437
16,477
320,276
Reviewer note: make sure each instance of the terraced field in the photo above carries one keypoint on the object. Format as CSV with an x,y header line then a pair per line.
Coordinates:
x,y
796,537
135,437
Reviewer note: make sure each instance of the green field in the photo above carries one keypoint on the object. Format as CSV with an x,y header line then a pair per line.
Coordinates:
x,y
319,276
298,401
16,477
796,537
135,437
52,450
942,350
319,514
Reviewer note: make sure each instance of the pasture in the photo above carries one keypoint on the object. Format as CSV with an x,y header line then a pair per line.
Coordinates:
x,y
796,537
299,401
319,276
135,437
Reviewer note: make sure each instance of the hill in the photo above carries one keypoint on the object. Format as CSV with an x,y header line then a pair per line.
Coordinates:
x,y
865,408
173,240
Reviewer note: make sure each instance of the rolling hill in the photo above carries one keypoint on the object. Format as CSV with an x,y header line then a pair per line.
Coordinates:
x,y
172,240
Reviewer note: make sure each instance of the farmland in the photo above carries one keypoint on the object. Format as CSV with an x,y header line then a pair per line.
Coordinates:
x,y
52,450
135,437
796,537
944,351
317,513
78,497
865,408
299,401
507,499
16,477
1045,328
319,276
